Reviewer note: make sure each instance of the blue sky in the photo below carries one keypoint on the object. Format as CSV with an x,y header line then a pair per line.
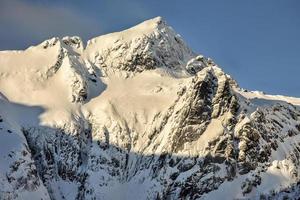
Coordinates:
x,y
257,42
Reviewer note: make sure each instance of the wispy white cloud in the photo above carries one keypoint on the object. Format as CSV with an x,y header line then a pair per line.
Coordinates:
x,y
28,22
40,21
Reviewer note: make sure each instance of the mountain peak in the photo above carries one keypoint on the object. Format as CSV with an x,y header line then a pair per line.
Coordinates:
x,y
149,25
148,45
142,29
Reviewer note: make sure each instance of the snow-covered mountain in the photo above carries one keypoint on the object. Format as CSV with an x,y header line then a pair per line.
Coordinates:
x,y
138,115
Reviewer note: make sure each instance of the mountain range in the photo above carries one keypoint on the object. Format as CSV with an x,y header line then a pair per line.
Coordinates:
x,y
137,114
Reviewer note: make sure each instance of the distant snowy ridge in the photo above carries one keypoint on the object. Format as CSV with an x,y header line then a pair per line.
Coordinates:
x,y
137,114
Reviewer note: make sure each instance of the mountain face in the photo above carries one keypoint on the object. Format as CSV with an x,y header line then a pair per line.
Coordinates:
x,y
138,115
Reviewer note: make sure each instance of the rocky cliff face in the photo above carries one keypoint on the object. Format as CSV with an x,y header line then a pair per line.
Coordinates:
x,y
138,115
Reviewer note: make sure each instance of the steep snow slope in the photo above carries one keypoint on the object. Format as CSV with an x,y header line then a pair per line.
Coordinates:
x,y
19,177
137,115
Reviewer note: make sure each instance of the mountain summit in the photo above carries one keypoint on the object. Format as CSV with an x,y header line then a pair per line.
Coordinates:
x,y
137,114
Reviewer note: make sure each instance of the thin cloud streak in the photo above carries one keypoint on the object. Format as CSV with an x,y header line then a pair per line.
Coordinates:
x,y
39,22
